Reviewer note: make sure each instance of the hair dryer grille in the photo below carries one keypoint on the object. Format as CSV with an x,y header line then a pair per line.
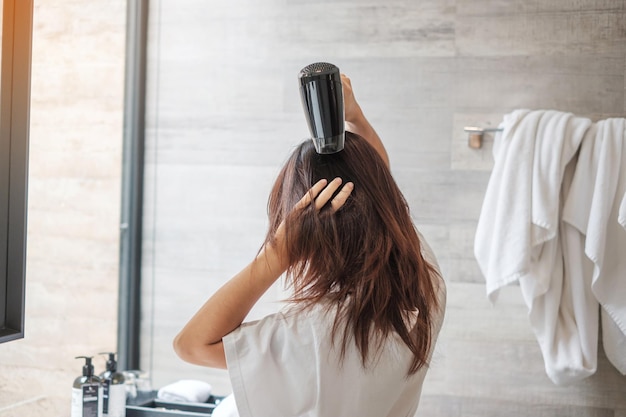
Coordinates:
x,y
317,68
322,99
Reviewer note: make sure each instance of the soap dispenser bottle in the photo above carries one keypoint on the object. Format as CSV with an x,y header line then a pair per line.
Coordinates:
x,y
113,389
87,392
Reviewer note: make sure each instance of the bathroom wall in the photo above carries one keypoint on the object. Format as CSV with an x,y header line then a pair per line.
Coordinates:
x,y
224,112
74,204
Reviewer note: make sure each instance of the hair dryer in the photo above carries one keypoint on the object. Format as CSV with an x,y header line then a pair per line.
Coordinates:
x,y
322,99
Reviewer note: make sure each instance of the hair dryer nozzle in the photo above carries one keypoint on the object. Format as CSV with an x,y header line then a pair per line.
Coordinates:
x,y
322,99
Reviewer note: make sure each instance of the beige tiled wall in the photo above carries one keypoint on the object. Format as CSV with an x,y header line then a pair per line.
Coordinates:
x,y
224,112
74,204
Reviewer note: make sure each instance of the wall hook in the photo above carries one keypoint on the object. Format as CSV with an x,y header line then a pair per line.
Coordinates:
x,y
475,135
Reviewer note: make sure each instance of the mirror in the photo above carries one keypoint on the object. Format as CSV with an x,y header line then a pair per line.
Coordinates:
x,y
223,113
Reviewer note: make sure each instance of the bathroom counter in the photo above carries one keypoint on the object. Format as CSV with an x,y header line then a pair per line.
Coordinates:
x,y
148,405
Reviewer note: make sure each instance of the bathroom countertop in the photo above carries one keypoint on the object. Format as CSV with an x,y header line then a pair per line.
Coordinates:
x,y
147,405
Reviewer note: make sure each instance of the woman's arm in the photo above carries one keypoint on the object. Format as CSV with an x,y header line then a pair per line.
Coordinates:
x,y
200,341
356,121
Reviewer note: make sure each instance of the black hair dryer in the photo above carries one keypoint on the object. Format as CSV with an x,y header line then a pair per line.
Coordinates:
x,y
322,99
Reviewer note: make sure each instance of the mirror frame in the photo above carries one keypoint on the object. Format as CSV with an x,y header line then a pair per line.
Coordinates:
x,y
17,28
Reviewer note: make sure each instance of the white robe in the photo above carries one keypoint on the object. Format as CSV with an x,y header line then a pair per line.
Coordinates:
x,y
287,364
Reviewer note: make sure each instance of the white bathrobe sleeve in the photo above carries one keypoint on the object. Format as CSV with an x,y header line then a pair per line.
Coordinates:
x,y
269,364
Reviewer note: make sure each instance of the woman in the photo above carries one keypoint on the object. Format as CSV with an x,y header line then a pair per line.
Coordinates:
x,y
368,299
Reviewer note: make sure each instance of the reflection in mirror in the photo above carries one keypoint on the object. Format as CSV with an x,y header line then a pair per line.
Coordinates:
x,y
223,112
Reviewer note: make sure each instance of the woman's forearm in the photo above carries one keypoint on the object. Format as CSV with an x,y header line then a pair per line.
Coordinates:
x,y
199,342
361,126
357,123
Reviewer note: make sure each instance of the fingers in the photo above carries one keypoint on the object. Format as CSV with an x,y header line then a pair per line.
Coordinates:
x,y
321,193
351,108
347,86
327,193
310,196
346,80
341,197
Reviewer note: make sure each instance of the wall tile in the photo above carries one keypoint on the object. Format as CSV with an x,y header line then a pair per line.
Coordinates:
x,y
595,32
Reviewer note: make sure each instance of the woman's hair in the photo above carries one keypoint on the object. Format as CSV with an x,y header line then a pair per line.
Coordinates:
x,y
365,258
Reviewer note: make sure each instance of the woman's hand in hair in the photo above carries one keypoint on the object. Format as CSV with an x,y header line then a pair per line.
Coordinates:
x,y
322,191
319,195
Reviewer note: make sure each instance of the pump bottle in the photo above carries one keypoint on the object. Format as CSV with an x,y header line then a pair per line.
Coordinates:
x,y
113,389
87,392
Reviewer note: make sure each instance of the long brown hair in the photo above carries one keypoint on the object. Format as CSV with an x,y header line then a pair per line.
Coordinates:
x,y
365,258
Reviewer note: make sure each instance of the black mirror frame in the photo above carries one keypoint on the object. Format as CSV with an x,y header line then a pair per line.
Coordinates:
x,y
17,24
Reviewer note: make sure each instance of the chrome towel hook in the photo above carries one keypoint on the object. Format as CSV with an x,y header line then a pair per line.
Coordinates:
x,y
475,137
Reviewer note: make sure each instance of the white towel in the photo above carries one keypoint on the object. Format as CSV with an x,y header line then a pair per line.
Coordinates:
x,y
593,209
185,390
617,348
578,304
606,239
502,237
226,408
517,237
621,217
619,344
521,206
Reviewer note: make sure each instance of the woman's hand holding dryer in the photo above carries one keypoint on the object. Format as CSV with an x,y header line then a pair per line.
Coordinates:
x,y
356,122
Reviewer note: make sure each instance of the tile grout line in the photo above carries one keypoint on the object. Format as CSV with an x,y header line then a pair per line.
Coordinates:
x,y
23,402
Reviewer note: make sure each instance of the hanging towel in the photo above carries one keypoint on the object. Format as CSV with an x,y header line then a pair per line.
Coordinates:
x,y
521,205
600,181
502,241
578,301
621,217
517,237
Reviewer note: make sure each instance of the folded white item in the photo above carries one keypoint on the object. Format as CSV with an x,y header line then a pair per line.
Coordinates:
x,y
186,390
226,408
